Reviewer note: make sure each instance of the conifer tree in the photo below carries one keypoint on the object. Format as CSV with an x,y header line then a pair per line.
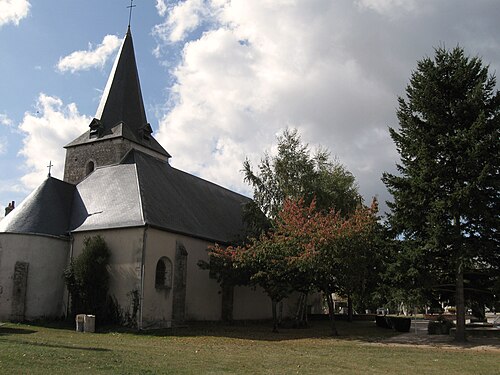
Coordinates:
x,y
446,194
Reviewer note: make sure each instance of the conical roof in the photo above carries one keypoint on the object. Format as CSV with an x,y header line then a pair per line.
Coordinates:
x,y
47,210
122,97
121,109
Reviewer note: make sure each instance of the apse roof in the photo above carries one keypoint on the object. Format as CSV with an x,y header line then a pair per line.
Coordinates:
x,y
46,210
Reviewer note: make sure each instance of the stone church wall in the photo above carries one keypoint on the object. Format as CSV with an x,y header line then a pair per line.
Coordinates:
x,y
100,153
124,264
31,276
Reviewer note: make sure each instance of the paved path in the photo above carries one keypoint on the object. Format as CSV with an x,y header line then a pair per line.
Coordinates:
x,y
418,336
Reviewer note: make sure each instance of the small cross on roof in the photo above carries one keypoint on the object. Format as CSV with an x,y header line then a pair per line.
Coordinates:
x,y
130,13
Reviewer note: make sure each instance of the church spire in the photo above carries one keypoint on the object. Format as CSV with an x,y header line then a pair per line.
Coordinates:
x,y
122,101
120,116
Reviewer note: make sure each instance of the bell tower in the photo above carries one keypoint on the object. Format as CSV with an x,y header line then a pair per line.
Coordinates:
x,y
119,125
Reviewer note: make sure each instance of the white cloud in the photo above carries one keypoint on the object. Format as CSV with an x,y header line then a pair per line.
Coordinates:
x,y
265,66
161,7
13,11
3,145
5,120
54,125
92,58
333,69
182,18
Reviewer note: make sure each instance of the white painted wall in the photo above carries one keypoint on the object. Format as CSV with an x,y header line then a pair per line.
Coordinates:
x,y
124,264
157,309
47,258
203,301
203,297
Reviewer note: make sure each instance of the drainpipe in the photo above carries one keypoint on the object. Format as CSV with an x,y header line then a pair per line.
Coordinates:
x,y
144,238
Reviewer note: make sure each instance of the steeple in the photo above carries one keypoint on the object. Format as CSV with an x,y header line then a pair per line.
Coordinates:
x,y
120,117
122,97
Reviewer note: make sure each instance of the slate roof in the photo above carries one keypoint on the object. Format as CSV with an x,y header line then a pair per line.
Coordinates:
x,y
145,190
107,198
121,109
46,210
141,190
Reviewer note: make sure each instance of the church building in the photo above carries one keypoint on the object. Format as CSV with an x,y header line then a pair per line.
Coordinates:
x,y
157,221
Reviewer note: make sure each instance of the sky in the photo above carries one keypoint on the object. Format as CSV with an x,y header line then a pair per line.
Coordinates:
x,y
221,79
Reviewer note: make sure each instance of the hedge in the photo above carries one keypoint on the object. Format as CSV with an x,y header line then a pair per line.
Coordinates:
x,y
400,324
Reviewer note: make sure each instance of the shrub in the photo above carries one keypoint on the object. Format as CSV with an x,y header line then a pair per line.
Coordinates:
x,y
383,321
87,278
441,326
401,324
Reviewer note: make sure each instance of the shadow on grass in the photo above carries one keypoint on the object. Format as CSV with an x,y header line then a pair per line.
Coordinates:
x,y
4,331
445,341
46,345
359,331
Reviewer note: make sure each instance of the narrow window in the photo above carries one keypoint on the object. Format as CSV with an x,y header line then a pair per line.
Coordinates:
x,y
90,168
163,277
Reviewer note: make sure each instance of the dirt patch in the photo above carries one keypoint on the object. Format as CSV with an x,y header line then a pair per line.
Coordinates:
x,y
442,341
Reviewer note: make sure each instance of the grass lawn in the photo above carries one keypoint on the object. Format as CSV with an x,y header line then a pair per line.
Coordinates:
x,y
240,349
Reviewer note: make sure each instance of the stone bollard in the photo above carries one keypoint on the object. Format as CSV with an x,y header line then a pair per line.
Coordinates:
x,y
89,323
80,318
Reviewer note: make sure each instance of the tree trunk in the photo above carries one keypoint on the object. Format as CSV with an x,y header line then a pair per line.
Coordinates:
x,y
227,302
298,314
301,315
275,316
460,304
349,308
304,311
331,314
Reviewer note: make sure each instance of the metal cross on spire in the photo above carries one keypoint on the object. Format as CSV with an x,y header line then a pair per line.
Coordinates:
x,y
130,13
50,167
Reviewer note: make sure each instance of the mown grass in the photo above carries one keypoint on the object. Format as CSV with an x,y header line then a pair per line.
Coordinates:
x,y
240,349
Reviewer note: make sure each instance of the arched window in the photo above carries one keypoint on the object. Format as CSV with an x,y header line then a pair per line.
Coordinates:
x,y
90,168
163,278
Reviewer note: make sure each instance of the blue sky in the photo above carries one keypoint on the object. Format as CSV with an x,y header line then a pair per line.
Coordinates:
x,y
222,78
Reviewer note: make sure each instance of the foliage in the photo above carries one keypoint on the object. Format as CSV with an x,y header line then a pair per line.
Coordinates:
x,y
441,326
400,324
295,172
268,257
382,321
307,249
446,195
87,278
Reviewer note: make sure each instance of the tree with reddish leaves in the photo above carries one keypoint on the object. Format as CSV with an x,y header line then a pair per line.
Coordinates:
x,y
307,249
337,251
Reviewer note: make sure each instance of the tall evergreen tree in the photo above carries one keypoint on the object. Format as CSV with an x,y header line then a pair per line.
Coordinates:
x,y
446,194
